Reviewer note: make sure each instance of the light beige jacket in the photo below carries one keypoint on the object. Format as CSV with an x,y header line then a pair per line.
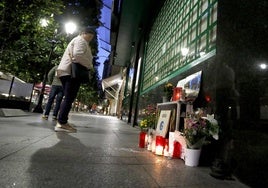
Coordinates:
x,y
80,51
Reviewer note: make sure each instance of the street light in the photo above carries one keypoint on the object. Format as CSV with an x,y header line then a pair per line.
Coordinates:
x,y
70,28
263,66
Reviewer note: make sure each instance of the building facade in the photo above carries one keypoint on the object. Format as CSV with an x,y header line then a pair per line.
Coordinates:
x,y
226,40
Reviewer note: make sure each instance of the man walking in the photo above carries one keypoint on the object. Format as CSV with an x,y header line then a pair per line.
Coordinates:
x,y
56,90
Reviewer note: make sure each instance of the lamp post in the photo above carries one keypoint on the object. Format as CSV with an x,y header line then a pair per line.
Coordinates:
x,y
70,28
38,108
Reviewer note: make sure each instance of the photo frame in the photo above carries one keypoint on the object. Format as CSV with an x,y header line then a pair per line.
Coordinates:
x,y
163,123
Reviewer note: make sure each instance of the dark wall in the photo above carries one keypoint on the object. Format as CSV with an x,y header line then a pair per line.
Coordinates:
x,y
242,43
241,87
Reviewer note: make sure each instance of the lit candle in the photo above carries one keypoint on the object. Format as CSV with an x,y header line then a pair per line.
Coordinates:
x,y
176,93
159,150
159,145
149,143
153,145
166,148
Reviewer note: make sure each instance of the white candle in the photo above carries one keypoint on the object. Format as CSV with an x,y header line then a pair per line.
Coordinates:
x,y
159,150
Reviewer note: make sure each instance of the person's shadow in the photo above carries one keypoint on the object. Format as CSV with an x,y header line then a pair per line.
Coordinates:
x,y
60,165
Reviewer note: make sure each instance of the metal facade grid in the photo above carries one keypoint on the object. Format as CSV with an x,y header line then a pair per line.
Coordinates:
x,y
180,24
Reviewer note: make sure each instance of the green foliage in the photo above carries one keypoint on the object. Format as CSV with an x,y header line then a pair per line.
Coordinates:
x,y
24,43
87,94
24,48
149,118
168,90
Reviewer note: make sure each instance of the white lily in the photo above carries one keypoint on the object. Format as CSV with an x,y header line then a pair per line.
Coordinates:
x,y
214,122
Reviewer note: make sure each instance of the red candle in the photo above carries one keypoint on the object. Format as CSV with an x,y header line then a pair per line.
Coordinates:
x,y
142,139
159,145
177,150
176,93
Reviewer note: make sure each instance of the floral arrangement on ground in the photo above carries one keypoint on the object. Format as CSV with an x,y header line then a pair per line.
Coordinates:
x,y
149,118
198,127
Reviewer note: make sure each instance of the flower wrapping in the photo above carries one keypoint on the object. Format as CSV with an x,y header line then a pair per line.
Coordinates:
x,y
198,127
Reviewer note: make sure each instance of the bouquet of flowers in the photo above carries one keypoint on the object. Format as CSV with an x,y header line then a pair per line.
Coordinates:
x,y
198,127
149,119
168,90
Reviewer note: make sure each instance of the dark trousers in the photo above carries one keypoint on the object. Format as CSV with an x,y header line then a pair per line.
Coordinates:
x,y
55,91
70,89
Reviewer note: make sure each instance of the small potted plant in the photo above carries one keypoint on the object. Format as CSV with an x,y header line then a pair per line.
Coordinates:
x,y
148,122
197,129
168,91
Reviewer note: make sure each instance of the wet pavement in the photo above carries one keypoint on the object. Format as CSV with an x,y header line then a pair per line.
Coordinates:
x,y
103,153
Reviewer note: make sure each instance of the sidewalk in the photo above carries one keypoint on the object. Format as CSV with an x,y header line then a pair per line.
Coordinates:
x,y
103,153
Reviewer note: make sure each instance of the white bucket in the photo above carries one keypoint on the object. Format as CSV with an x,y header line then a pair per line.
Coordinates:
x,y
192,157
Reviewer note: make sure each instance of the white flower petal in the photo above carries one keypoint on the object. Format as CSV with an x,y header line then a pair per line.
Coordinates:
x,y
215,136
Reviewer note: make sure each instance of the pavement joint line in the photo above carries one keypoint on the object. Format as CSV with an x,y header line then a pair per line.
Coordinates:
x,y
149,174
25,147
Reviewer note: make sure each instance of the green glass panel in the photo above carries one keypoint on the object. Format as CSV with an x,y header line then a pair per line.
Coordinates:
x,y
189,25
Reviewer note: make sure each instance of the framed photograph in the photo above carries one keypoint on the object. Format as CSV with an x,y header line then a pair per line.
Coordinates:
x,y
163,123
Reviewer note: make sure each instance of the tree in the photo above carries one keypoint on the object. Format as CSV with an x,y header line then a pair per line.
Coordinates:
x,y
24,48
24,43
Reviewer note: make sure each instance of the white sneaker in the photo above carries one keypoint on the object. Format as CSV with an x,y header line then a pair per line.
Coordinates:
x,y
64,128
45,117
